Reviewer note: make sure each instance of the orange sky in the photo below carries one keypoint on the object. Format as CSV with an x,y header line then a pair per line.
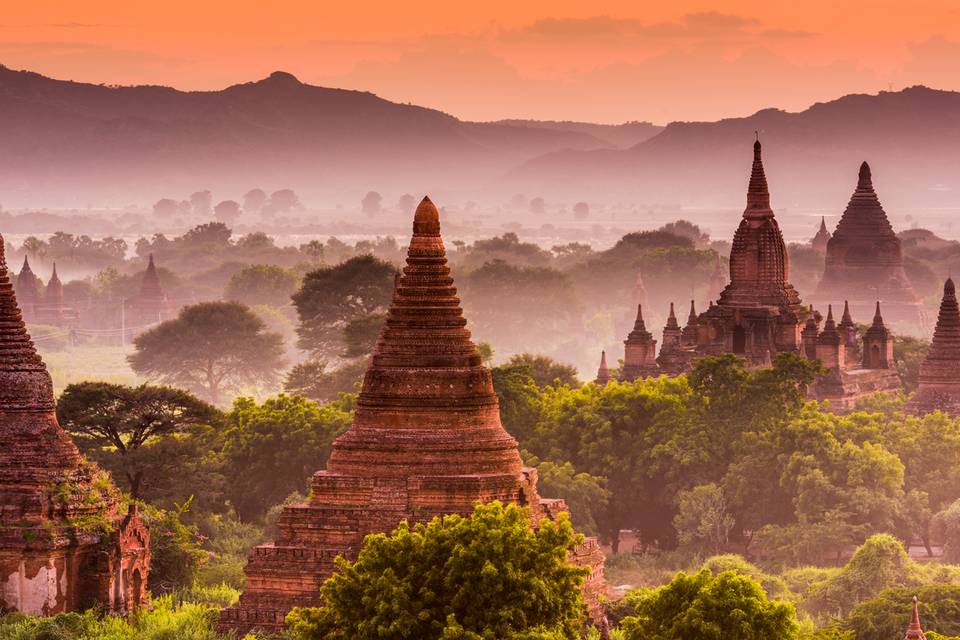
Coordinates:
x,y
602,61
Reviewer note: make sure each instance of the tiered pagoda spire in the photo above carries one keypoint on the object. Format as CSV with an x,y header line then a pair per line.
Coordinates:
x,y
864,259
603,371
41,544
939,380
426,440
54,293
151,305
689,335
759,266
820,240
640,351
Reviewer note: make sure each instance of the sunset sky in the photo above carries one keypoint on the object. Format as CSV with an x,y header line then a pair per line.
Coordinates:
x,y
608,62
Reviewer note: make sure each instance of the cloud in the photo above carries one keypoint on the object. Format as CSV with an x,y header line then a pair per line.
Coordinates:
x,y
692,25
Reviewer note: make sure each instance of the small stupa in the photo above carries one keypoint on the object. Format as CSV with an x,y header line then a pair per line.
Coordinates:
x,y
640,351
939,381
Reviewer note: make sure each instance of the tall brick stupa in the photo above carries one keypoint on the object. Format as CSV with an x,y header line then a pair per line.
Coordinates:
x,y
426,440
864,260
939,382
63,544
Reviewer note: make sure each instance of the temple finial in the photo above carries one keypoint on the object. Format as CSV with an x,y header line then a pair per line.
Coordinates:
x,y
758,195
426,220
864,179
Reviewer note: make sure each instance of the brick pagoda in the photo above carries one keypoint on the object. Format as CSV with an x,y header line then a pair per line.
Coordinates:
x,y
54,309
640,351
603,371
28,290
63,544
939,383
914,630
864,260
426,440
151,304
819,241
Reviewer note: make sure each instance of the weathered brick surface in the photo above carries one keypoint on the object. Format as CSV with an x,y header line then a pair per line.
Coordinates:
x,y
426,441
63,546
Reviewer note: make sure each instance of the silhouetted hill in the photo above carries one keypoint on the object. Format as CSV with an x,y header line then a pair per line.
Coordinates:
x,y
62,142
619,135
911,139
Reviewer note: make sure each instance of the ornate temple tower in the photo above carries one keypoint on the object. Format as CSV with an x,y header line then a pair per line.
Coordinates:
x,y
878,344
808,337
426,440
672,359
603,371
54,310
759,313
939,384
864,261
28,290
688,337
819,242
640,351
63,544
151,305
831,346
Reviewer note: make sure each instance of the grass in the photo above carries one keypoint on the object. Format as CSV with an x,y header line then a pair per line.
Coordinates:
x,y
189,614
89,362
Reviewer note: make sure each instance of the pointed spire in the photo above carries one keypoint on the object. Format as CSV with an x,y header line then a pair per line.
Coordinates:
x,y
914,630
672,319
54,295
877,318
823,224
758,195
603,373
864,179
829,323
847,319
692,318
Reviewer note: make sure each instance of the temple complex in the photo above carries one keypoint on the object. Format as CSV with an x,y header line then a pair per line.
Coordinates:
x,y
151,304
939,382
640,351
53,310
819,241
864,260
759,315
28,290
64,545
426,440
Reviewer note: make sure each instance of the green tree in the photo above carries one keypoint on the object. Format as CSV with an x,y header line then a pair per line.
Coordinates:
x,y
546,370
286,439
155,440
313,379
360,334
262,284
702,520
888,614
708,607
176,548
487,576
330,297
520,400
586,495
209,348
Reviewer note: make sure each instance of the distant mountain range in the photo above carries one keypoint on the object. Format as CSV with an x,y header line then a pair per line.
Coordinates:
x,y
911,138
66,141
68,144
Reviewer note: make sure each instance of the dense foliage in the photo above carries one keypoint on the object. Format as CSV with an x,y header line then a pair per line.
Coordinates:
x,y
487,576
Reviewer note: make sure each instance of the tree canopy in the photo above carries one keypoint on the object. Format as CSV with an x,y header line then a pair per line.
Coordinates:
x,y
487,576
209,348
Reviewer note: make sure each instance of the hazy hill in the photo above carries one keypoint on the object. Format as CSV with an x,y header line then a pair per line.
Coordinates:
x,y
911,139
62,142
619,135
